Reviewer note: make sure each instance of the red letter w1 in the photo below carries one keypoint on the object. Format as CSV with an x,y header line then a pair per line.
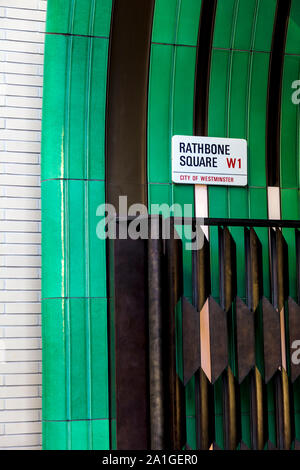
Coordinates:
x,y
231,162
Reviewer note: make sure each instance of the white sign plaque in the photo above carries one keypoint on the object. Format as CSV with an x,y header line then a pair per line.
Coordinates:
x,y
209,160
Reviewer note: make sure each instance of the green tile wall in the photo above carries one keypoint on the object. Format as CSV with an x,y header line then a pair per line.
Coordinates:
x,y
74,291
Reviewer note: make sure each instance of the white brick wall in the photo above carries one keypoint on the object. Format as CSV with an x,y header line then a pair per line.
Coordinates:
x,y
22,24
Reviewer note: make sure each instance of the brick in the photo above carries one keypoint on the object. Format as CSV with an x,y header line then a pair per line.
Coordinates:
x,y
20,373
31,147
23,114
22,332
20,25
20,169
17,13
19,273
22,260
11,191
19,391
19,440
31,4
24,284
21,214
24,136
19,226
6,249
22,296
24,69
19,180
18,203
23,428
25,36
26,124
22,47
18,320
22,403
20,343
25,238
23,307
23,355
20,101
24,379
19,157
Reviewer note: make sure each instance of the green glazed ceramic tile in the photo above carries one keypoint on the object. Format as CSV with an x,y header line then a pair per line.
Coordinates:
x,y
100,429
290,140
56,341
159,194
55,435
159,103
188,22
52,243
79,17
81,433
256,125
293,35
165,21
176,22
73,257
75,359
244,24
171,104
223,24
290,199
73,138
264,25
217,114
238,95
76,435
183,92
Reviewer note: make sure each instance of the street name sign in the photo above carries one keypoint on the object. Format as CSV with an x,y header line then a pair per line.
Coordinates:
x,y
209,160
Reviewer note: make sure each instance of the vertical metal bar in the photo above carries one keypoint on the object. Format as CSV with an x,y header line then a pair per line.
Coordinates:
x,y
254,291
227,257
203,388
155,303
175,401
